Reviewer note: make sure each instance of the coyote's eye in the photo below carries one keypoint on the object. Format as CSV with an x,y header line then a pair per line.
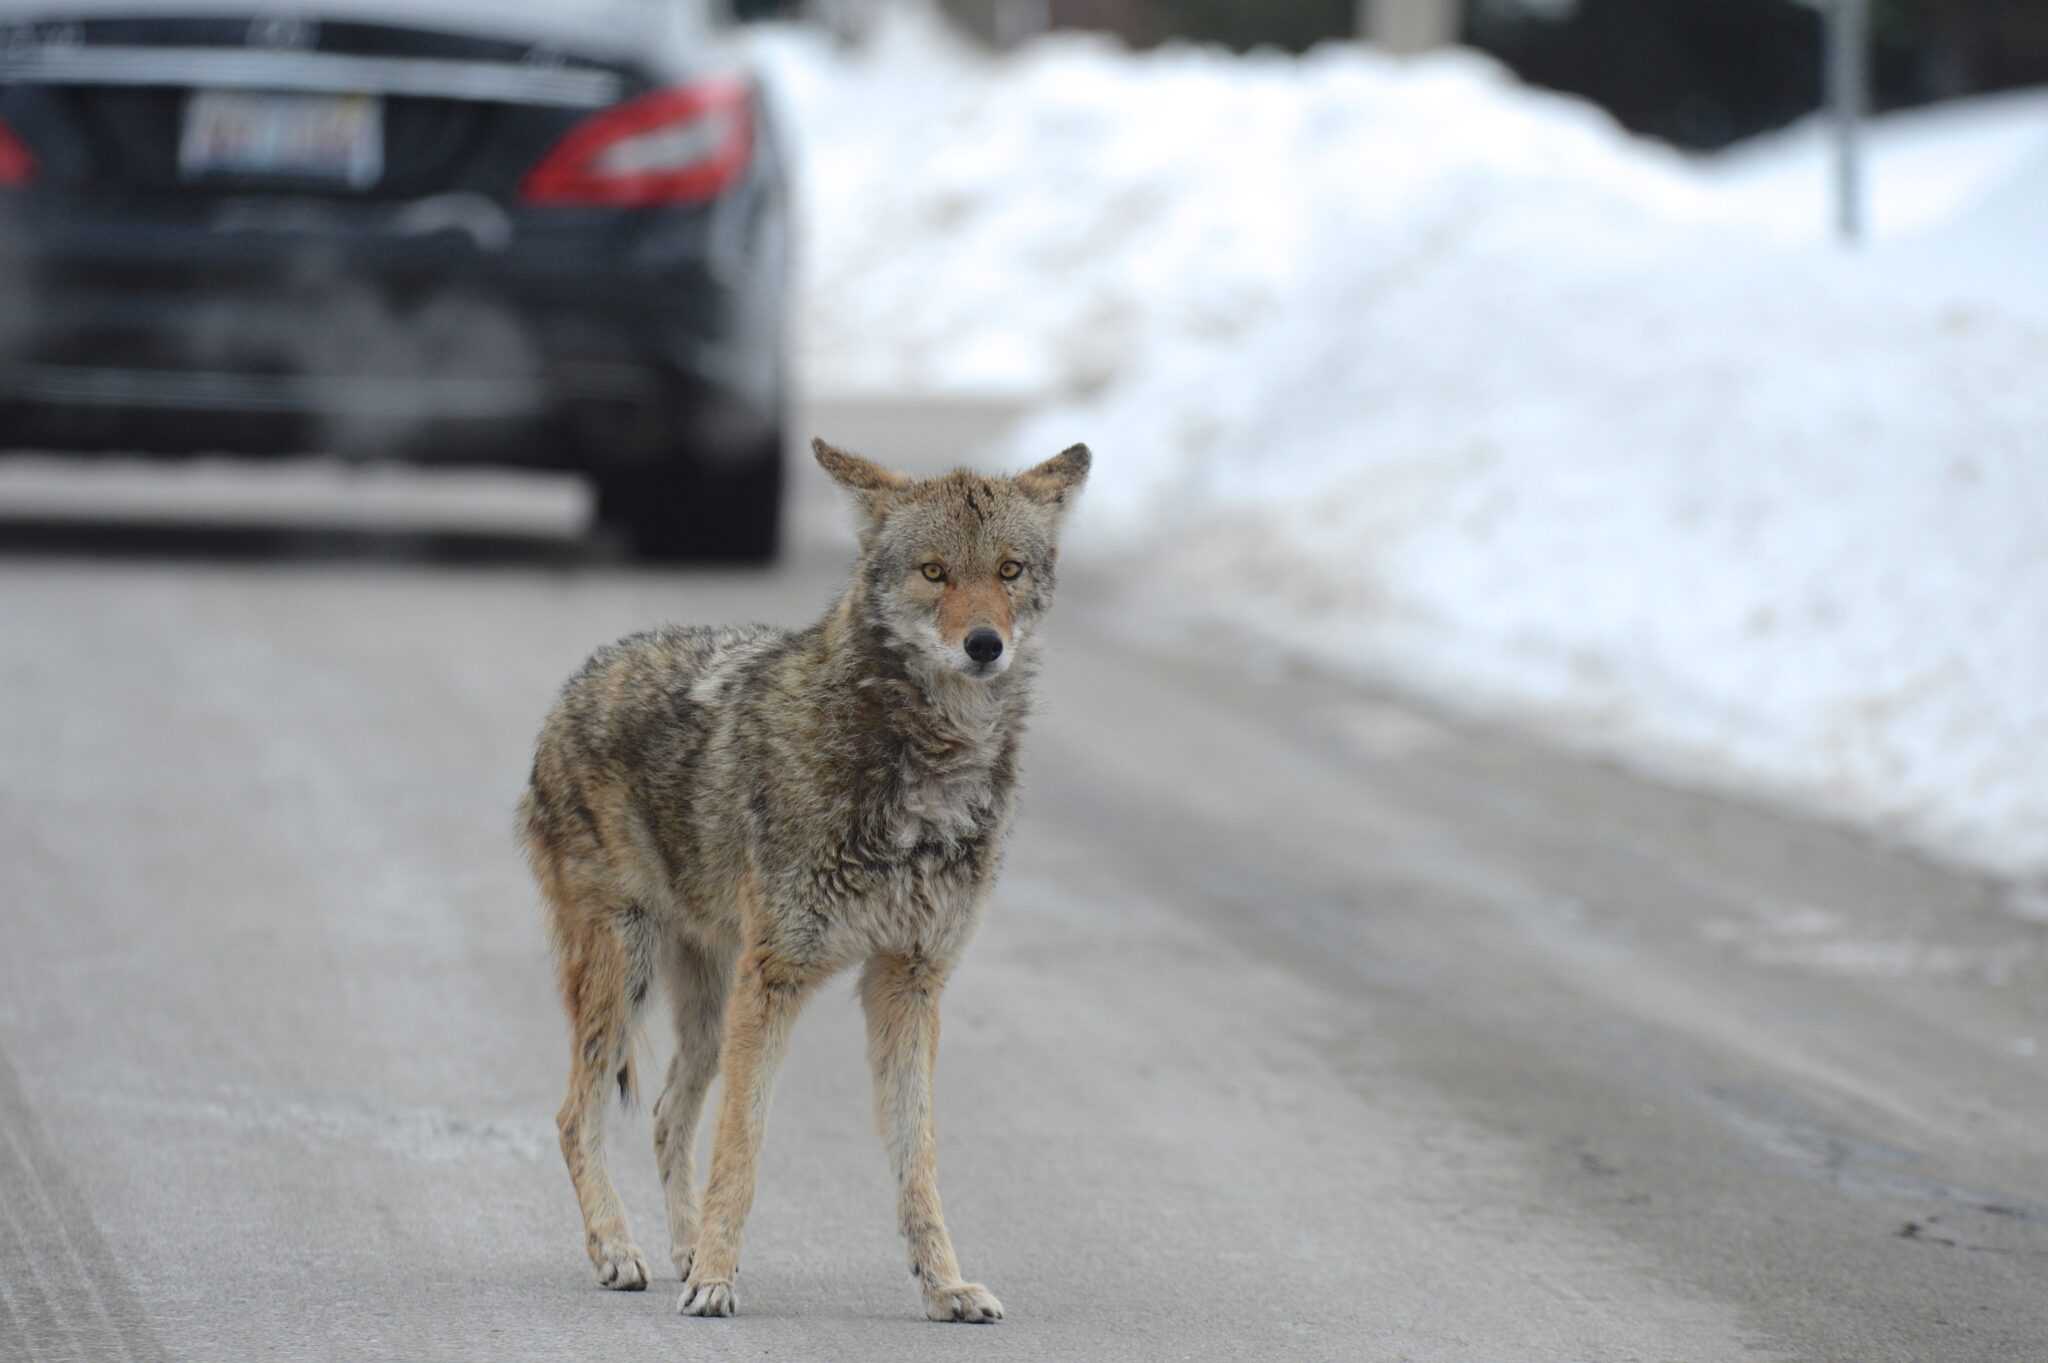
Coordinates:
x,y
1011,569
934,573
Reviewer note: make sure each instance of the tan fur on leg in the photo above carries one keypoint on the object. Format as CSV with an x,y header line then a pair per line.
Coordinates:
x,y
900,996
767,993
697,986
595,973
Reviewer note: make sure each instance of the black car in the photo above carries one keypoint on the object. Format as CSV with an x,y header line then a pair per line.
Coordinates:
x,y
542,232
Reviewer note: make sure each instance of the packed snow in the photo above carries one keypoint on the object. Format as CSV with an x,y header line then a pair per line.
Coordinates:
x,y
1449,381
1926,167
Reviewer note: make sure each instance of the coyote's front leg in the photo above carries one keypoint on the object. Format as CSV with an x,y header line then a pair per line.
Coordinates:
x,y
900,995
766,993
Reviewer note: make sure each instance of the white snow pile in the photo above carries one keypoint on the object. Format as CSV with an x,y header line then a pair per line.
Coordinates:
x,y
1453,383
1926,166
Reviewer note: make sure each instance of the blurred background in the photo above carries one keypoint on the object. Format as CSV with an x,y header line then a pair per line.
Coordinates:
x,y
1468,334
1698,76
1540,764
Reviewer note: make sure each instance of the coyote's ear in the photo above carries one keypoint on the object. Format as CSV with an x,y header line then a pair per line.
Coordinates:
x,y
1055,482
864,477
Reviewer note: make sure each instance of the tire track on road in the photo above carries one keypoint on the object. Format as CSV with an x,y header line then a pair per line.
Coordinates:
x,y
63,1295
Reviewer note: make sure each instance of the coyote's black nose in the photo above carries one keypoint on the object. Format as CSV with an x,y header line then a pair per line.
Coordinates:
x,y
984,645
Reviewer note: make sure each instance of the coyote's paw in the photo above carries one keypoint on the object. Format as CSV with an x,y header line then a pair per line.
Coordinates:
x,y
969,1302
712,1298
620,1265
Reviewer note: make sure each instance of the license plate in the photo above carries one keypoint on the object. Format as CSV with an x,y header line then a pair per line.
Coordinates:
x,y
338,138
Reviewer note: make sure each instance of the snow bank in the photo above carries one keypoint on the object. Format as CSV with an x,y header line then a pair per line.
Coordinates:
x,y
1026,225
1926,167
1450,381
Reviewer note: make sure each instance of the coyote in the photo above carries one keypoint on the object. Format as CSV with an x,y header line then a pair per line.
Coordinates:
x,y
742,811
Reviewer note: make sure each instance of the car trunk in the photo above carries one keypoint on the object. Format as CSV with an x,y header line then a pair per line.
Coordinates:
x,y
243,106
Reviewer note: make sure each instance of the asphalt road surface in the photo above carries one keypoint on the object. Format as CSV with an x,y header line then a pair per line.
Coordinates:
x,y
1308,1024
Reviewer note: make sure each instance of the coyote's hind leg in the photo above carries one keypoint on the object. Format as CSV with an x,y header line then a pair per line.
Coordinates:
x,y
698,979
606,968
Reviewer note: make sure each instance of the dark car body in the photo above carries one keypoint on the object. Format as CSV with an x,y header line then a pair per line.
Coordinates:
x,y
544,235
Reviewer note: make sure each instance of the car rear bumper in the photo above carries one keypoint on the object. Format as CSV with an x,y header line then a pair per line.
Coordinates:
x,y
166,411
548,343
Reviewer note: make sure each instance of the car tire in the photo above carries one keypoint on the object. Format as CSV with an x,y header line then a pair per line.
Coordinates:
x,y
687,509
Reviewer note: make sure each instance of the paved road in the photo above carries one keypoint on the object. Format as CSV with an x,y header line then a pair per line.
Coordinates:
x,y
1308,1025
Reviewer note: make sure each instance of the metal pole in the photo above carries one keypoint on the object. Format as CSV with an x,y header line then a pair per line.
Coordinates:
x,y
1849,102
1019,21
1408,26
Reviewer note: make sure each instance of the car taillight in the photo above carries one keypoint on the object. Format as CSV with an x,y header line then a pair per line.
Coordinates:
x,y
17,163
673,145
